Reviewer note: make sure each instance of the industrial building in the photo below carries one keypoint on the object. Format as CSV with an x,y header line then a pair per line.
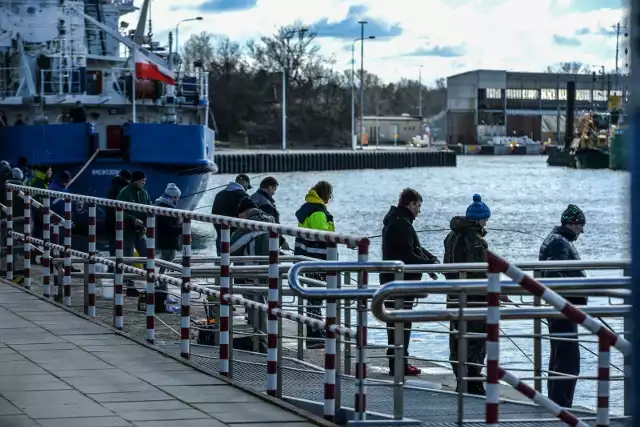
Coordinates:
x,y
485,104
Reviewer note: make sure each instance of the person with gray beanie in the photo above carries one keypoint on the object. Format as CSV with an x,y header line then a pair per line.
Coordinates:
x,y
168,229
564,357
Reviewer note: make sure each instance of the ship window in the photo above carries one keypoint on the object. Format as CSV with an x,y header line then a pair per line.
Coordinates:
x,y
31,10
15,9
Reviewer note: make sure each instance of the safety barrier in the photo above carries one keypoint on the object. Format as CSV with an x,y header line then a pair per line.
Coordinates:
x,y
271,308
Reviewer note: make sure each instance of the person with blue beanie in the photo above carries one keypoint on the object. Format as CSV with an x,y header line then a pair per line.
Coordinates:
x,y
465,244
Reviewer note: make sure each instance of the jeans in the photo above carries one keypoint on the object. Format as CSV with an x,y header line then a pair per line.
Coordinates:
x,y
134,242
564,358
476,353
391,341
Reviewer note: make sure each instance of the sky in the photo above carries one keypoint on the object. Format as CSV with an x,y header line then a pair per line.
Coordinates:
x,y
427,38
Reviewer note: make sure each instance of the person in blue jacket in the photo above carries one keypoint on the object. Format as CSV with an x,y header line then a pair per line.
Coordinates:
x,y
564,357
61,183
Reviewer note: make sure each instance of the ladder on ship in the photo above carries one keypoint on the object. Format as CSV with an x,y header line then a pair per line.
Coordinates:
x,y
94,8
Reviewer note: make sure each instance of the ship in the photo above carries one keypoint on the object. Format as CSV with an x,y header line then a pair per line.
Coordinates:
x,y
591,149
140,111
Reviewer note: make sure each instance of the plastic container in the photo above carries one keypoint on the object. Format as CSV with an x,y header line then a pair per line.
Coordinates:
x,y
107,289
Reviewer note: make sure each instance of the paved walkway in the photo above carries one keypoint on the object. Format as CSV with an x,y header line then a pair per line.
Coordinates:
x,y
59,370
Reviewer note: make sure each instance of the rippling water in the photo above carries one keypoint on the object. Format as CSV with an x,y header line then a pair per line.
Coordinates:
x,y
523,194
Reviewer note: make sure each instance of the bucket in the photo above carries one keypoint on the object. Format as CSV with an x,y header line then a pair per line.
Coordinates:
x,y
107,288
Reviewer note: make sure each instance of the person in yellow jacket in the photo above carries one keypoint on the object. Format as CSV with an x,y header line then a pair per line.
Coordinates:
x,y
313,214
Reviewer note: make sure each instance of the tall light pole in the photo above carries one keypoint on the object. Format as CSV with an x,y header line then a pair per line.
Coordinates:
x,y
354,136
618,27
362,24
197,18
285,43
420,91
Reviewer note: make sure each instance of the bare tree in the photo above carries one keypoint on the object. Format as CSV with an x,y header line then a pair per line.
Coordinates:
x,y
199,48
569,68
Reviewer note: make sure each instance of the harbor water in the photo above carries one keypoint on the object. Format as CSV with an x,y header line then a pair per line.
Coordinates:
x,y
523,193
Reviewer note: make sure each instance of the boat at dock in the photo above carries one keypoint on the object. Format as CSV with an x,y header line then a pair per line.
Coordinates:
x,y
77,95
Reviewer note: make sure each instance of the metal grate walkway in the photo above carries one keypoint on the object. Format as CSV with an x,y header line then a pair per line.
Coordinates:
x,y
304,381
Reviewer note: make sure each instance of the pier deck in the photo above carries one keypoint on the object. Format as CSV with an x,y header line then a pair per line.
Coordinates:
x,y
58,369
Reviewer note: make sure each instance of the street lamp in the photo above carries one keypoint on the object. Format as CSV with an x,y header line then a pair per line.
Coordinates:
x,y
287,36
362,24
197,18
354,137
420,91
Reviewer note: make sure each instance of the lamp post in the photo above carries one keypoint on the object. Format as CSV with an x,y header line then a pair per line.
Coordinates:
x,y
354,137
420,92
362,24
197,18
287,36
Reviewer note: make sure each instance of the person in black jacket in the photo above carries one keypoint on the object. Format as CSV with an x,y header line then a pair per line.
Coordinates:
x,y
263,197
400,242
118,182
565,355
168,228
227,201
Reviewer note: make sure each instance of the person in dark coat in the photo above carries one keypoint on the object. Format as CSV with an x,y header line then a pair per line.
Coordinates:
x,y
227,201
78,114
263,197
168,228
465,244
118,182
565,355
400,242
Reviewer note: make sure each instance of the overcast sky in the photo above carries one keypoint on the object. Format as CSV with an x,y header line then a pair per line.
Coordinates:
x,y
444,36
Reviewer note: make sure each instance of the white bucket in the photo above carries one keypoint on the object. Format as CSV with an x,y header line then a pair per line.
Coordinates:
x,y
107,288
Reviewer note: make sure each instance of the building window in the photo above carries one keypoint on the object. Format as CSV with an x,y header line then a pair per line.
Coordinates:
x,y
583,95
31,10
529,94
548,94
492,93
514,93
562,94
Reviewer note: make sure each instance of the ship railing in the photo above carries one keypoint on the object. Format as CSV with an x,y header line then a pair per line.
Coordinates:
x,y
9,81
61,82
493,288
223,294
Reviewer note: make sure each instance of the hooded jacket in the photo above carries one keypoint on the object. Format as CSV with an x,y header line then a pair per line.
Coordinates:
x,y
313,214
168,228
117,184
248,242
267,204
226,203
400,242
465,243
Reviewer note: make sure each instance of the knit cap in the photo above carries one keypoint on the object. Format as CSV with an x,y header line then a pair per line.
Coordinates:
x,y
573,215
17,174
172,190
478,210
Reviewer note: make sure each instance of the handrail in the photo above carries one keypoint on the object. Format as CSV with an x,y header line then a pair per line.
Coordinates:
x,y
317,235
39,206
524,265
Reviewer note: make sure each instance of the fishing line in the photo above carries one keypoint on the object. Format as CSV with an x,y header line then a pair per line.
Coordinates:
x,y
216,188
435,230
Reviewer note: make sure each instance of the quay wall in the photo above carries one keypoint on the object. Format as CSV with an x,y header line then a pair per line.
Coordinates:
x,y
296,161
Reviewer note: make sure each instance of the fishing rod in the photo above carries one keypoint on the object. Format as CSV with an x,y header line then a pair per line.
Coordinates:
x,y
217,188
435,230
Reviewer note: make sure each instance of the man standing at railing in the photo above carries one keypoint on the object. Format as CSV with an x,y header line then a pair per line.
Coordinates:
x,y
227,201
400,242
565,353
465,244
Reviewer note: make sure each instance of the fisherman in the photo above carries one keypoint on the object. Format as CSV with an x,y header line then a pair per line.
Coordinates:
x,y
6,174
61,184
263,197
564,357
245,242
23,164
465,243
400,242
134,221
313,214
168,228
118,182
78,114
41,177
227,201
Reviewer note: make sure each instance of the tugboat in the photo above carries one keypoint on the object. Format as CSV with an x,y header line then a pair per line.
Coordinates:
x,y
70,98
592,147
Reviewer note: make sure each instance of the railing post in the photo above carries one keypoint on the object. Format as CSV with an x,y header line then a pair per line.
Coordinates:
x,y
330,344
399,361
361,338
9,235
118,276
91,280
55,253
627,323
347,324
27,245
272,320
185,294
537,343
67,252
151,283
462,354
46,251
493,345
602,400
225,344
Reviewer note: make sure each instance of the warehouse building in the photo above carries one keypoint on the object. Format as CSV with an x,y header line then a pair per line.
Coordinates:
x,y
485,104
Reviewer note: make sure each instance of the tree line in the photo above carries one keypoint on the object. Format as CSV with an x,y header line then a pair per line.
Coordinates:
x,y
245,87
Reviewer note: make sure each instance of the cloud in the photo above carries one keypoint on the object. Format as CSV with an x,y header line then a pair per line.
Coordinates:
x,y
440,51
348,27
226,5
565,41
583,31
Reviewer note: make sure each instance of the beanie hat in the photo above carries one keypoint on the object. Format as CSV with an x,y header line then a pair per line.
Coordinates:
x,y
64,177
478,210
172,190
17,174
246,204
5,163
137,176
125,174
573,215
